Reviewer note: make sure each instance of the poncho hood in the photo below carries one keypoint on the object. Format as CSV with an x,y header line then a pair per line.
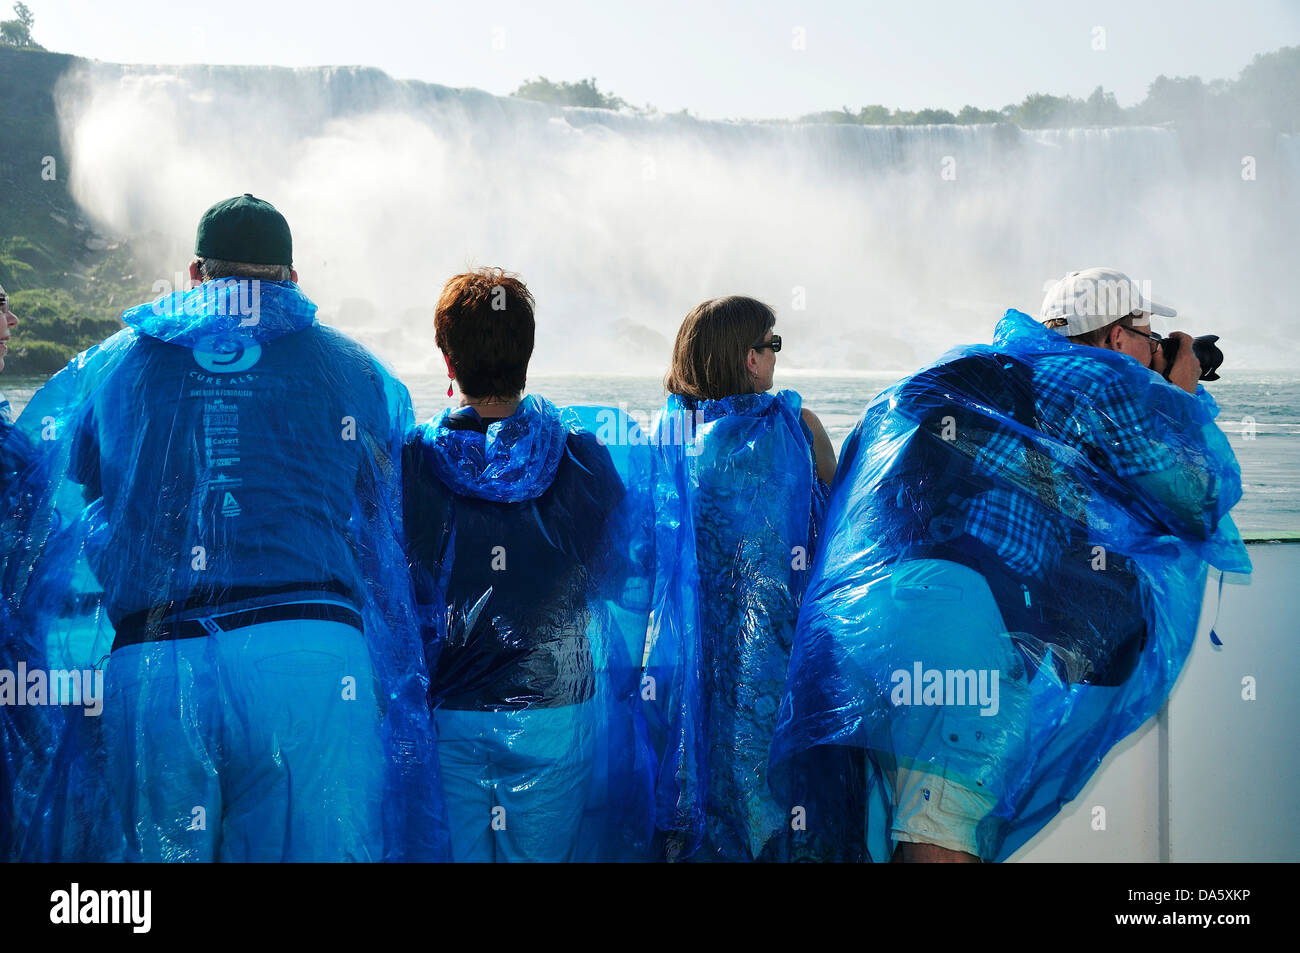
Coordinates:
x,y
515,460
260,311
738,405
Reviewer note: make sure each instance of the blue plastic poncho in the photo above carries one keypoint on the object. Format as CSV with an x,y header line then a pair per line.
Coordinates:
x,y
15,452
205,556
529,539
738,505
1020,532
19,730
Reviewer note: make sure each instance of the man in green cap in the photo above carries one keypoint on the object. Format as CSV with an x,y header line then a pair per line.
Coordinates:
x,y
238,463
250,228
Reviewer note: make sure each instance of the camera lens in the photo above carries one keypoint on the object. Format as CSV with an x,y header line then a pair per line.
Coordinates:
x,y
1205,351
1209,356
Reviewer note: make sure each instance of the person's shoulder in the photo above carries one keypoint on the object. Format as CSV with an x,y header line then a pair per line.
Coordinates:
x,y
812,420
812,425
789,400
355,361
1087,375
790,403
587,457
587,449
1111,378
345,347
412,443
1109,389
424,492
415,449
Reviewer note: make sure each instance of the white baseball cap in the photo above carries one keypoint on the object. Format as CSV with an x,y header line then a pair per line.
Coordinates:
x,y
1096,297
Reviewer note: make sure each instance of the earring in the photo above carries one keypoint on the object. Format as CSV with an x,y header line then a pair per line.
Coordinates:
x,y
448,387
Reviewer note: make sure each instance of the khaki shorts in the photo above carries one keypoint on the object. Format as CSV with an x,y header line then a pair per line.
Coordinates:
x,y
946,765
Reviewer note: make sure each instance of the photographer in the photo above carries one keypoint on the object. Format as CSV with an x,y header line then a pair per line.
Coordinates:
x,y
1082,306
998,602
1104,308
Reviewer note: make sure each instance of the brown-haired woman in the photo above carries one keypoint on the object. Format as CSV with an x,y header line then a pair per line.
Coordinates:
x,y
724,348
751,469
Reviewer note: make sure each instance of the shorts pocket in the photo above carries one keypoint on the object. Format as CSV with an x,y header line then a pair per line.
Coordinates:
x,y
929,591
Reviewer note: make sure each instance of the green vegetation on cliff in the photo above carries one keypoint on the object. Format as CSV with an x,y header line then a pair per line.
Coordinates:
x,y
66,282
582,93
1267,91
18,31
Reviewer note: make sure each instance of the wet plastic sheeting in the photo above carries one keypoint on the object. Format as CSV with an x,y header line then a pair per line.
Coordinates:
x,y
530,538
1001,595
227,458
738,505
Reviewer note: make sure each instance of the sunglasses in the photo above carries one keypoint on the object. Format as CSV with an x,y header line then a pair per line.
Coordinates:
x,y
774,344
1153,339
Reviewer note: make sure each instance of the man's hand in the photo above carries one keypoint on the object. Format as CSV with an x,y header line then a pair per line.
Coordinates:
x,y
1186,369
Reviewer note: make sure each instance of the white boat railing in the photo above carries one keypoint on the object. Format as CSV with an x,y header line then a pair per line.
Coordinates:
x,y
1215,776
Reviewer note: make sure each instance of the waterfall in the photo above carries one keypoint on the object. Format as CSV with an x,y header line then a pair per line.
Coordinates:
x,y
878,246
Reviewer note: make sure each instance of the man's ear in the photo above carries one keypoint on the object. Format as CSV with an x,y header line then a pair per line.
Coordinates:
x,y
293,275
751,361
1113,336
196,278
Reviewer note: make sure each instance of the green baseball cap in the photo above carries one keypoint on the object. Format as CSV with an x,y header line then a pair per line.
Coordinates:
x,y
245,228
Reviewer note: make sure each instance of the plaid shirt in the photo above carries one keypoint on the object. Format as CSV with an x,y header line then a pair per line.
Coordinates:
x,y
1083,404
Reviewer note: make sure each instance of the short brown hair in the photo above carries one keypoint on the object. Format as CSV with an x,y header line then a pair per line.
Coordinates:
x,y
1096,336
711,347
484,324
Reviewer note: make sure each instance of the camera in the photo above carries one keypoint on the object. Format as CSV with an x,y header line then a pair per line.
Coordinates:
x,y
1204,350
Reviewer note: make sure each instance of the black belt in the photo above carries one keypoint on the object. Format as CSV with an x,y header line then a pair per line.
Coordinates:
x,y
135,630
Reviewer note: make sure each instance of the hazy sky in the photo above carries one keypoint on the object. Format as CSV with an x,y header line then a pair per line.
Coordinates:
x,y
720,60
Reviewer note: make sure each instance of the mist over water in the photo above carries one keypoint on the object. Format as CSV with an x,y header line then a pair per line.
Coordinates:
x,y
879,247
